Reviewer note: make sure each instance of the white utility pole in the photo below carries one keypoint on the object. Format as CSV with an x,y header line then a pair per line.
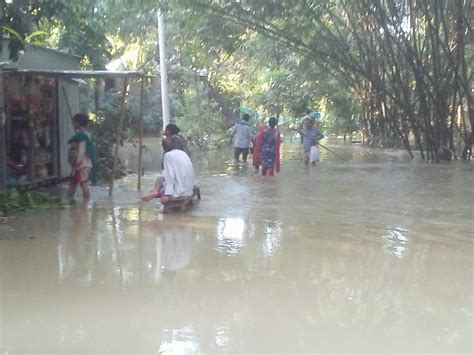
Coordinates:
x,y
164,77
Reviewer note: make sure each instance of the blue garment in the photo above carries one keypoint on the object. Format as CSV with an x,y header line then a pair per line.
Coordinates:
x,y
268,148
90,151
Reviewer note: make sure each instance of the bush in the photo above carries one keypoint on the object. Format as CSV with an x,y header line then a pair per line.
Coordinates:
x,y
13,200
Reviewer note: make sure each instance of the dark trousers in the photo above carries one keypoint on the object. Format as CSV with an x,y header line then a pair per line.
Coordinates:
x,y
244,151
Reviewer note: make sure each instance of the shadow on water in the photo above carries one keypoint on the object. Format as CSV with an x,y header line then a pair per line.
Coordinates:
x,y
376,250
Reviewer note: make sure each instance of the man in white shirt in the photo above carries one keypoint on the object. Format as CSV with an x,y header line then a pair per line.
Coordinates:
x,y
177,179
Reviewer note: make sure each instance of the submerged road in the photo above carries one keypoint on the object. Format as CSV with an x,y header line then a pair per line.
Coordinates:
x,y
373,255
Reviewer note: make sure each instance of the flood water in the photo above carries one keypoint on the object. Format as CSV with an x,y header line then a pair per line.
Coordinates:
x,y
369,255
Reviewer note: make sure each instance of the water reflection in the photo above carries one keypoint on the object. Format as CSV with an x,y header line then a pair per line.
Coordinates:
x,y
174,246
96,245
223,338
272,237
179,341
396,241
230,235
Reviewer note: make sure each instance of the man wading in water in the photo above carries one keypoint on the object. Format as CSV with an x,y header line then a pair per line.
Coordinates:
x,y
310,136
243,135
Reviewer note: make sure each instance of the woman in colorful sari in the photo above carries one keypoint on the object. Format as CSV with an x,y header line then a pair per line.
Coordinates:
x,y
267,148
255,149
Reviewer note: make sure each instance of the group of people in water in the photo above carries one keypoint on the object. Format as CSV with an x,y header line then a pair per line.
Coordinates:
x,y
177,178
266,143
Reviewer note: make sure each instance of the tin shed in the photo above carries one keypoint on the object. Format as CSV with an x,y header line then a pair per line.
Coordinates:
x,y
36,110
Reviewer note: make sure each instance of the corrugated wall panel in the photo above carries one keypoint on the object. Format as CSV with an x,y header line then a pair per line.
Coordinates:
x,y
68,104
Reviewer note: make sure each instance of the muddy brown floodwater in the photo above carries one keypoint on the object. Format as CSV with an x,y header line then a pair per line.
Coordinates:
x,y
371,255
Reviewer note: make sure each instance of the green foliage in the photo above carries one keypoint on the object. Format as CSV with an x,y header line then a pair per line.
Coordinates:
x,y
13,200
26,21
106,121
104,131
404,61
401,66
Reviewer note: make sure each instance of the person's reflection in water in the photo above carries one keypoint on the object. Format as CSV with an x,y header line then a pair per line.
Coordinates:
x,y
73,248
240,170
174,245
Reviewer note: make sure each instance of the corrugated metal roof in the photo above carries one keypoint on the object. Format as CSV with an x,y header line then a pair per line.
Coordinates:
x,y
52,50
71,74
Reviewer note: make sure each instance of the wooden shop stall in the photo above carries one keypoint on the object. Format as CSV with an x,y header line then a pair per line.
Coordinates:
x,y
38,97
35,123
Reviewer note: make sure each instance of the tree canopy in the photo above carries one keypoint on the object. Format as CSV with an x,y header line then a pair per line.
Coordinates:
x,y
400,71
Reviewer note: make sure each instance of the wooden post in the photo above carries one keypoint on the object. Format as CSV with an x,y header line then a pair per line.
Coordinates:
x,y
97,83
3,137
118,135
198,104
208,107
97,95
140,138
55,130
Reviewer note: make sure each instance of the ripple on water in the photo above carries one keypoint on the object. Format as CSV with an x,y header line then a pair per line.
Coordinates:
x,y
179,341
396,241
